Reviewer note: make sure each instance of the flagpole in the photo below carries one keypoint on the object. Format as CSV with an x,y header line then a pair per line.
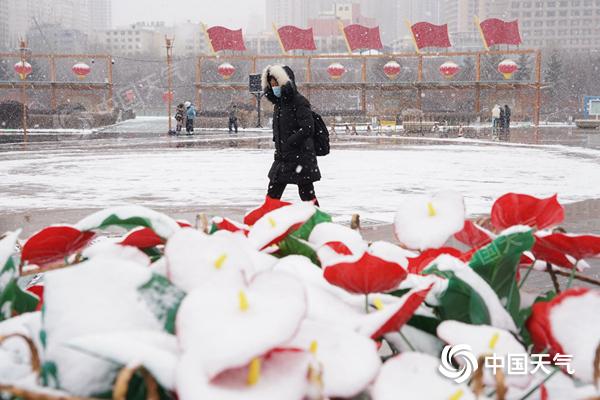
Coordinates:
x,y
212,48
341,26
478,23
412,35
279,39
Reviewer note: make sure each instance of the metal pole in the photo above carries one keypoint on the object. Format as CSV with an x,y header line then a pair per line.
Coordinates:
x,y
538,91
258,98
23,49
169,46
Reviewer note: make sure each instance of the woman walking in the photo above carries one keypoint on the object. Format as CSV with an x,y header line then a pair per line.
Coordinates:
x,y
293,133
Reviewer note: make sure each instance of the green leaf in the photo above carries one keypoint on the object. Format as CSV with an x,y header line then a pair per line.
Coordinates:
x,y
425,324
127,223
460,301
294,246
498,262
163,299
305,230
13,299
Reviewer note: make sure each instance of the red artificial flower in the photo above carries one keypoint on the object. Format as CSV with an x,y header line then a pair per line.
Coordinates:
x,y
473,236
340,248
369,274
269,205
521,209
539,325
38,291
146,238
417,264
225,224
577,246
52,245
543,250
404,314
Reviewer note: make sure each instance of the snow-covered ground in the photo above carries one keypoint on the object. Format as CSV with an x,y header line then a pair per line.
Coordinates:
x,y
370,182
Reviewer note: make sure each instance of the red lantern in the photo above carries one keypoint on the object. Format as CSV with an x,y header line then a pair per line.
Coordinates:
x,y
226,70
449,69
336,71
81,70
23,68
392,69
508,68
168,97
129,96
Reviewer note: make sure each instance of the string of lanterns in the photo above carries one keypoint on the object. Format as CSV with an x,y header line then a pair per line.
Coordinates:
x,y
24,69
392,70
336,71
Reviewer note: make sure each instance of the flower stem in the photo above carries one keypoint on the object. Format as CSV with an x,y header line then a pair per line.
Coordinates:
x,y
412,348
526,275
532,391
367,303
572,276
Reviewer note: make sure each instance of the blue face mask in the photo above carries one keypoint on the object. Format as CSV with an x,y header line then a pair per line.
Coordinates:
x,y
277,91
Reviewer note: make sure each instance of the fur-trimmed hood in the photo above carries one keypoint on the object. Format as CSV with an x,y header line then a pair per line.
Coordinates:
x,y
286,79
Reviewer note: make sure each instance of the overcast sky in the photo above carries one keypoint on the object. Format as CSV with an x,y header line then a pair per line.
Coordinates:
x,y
230,13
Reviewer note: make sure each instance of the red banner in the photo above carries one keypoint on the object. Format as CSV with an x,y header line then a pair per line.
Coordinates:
x,y
294,38
225,39
361,37
496,31
430,35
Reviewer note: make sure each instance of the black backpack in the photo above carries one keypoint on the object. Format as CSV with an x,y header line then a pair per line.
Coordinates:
x,y
321,136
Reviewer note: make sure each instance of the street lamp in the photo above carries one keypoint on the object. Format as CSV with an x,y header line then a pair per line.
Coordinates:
x,y
169,47
23,68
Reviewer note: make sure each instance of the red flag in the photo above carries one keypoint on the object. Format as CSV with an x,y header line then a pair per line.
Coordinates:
x,y
361,37
496,31
294,38
225,39
430,35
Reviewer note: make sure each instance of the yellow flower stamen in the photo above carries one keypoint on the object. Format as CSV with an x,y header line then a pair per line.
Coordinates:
x,y
494,341
272,222
220,261
378,303
243,301
314,346
431,209
457,395
253,372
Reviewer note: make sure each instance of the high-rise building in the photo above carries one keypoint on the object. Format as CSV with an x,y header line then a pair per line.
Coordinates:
x,y
460,15
566,24
287,12
3,24
101,14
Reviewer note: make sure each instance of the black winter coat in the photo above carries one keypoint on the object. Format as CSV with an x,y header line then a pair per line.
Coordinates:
x,y
293,133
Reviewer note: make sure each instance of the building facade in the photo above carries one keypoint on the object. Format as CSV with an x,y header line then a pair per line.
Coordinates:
x,y
143,38
287,12
564,24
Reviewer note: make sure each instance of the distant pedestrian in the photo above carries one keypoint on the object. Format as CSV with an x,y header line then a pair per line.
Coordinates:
x,y
495,118
180,118
293,133
233,119
507,116
190,117
502,123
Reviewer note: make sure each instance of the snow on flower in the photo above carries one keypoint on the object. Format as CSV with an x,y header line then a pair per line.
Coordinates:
x,y
424,222
570,324
379,269
274,226
415,376
223,324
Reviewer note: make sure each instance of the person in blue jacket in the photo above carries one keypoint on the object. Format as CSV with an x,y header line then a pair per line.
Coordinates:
x,y
191,115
